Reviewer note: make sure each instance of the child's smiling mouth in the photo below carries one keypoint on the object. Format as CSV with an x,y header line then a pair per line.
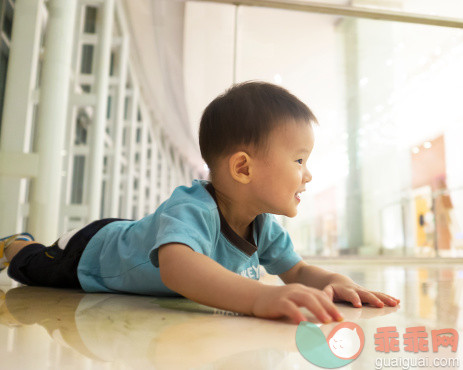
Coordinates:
x,y
298,195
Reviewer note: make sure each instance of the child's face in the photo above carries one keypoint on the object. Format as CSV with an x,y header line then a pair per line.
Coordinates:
x,y
282,173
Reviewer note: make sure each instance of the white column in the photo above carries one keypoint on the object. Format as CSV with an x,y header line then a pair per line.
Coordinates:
x,y
164,163
182,170
132,133
142,167
176,165
97,135
18,105
153,174
119,125
51,123
180,178
120,122
171,169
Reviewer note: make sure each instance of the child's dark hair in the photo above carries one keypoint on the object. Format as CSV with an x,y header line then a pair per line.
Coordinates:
x,y
245,115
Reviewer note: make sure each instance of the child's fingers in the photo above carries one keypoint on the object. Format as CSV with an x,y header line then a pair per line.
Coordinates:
x,y
329,291
312,303
390,301
353,297
331,309
369,297
387,295
349,295
294,313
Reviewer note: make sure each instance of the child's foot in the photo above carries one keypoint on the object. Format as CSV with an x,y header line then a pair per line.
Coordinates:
x,y
5,243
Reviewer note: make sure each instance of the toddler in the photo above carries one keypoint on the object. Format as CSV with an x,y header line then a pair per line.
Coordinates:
x,y
206,242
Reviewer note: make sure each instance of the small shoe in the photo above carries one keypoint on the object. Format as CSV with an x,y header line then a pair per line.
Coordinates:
x,y
5,242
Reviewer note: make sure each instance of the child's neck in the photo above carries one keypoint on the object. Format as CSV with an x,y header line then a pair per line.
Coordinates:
x,y
235,214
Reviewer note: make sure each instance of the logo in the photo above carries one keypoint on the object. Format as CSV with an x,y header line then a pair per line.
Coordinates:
x,y
343,345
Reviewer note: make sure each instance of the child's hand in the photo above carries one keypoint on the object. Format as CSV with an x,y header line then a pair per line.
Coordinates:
x,y
343,288
277,301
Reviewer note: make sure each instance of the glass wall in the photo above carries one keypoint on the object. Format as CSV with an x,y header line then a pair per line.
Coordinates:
x,y
386,168
387,174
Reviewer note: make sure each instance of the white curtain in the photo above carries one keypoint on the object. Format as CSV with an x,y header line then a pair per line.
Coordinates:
x,y
157,29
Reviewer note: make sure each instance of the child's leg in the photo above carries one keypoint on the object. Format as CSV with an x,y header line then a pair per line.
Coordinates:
x,y
15,247
39,265
55,265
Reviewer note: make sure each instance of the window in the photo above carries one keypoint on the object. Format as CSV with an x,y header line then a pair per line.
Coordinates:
x,y
6,25
90,23
87,59
78,173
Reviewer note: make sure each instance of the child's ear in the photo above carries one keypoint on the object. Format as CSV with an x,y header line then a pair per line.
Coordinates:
x,y
239,166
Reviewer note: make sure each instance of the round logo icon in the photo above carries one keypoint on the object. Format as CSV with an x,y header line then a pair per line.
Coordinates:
x,y
343,345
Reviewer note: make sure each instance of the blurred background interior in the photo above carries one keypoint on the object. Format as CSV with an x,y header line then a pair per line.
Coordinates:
x,y
100,102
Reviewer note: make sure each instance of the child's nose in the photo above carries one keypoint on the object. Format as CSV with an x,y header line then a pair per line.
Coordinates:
x,y
307,176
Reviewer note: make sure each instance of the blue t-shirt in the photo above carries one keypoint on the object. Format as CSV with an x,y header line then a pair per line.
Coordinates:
x,y
123,255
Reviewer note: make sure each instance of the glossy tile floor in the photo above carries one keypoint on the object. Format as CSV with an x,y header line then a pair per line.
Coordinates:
x,y
61,329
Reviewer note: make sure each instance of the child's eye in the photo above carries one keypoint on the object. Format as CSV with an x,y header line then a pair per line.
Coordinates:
x,y
299,161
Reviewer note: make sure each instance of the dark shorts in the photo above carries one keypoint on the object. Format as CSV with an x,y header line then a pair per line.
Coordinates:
x,y
51,266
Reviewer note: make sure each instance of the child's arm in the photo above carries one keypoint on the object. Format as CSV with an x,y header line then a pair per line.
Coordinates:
x,y
338,287
201,279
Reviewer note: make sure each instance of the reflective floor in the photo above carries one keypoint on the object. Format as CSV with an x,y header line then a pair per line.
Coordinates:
x,y
61,329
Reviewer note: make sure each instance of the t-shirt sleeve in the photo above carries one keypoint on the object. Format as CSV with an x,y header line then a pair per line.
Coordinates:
x,y
278,254
187,224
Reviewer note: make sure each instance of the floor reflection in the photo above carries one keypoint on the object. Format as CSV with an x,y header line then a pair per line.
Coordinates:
x,y
64,328
145,331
